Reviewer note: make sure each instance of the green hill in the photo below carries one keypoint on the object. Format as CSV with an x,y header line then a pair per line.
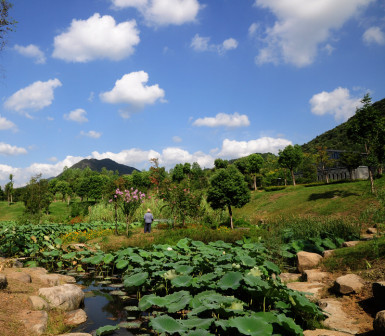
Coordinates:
x,y
336,138
97,165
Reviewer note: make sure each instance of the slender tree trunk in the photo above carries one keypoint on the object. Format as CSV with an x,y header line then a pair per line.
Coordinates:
x,y
231,216
292,176
255,182
371,180
116,219
351,174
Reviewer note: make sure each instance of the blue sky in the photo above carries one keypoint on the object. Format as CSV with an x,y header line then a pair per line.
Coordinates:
x,y
180,80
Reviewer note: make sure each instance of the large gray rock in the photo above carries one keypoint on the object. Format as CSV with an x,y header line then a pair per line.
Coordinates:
x,y
379,323
56,279
348,284
65,297
75,317
20,276
3,281
38,303
316,275
35,321
289,277
337,319
307,260
311,290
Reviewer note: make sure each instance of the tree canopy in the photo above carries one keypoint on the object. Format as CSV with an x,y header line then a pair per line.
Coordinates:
x,y
290,158
228,188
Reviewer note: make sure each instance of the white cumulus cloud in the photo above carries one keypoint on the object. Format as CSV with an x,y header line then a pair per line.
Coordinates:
x,y
374,35
33,97
9,150
163,12
131,89
99,37
223,119
78,115
302,26
6,124
91,134
31,51
200,43
339,103
232,149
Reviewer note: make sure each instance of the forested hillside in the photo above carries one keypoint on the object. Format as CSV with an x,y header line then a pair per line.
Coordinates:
x,y
336,138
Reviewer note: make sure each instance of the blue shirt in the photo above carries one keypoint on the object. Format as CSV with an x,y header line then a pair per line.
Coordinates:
x,y
148,218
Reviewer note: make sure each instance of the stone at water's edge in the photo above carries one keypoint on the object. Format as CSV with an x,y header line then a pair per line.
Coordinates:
x,y
379,323
56,279
75,317
65,297
349,283
3,281
327,253
307,260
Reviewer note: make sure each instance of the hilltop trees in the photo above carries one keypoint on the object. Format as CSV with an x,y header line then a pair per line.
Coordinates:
x,y
368,128
6,24
324,161
228,188
290,158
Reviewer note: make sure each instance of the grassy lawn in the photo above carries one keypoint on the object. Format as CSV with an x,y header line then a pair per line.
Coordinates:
x,y
346,200
15,210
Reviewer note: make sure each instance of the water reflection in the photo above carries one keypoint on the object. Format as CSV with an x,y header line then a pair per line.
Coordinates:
x,y
102,308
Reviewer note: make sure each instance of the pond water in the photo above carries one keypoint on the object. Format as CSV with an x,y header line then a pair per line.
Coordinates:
x,y
105,302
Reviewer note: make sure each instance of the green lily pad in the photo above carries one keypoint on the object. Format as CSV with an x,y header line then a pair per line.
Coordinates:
x,y
253,326
230,280
167,324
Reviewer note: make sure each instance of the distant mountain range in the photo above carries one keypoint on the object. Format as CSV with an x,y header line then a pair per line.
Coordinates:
x,y
97,165
336,138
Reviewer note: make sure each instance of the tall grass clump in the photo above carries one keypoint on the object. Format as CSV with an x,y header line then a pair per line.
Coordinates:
x,y
310,227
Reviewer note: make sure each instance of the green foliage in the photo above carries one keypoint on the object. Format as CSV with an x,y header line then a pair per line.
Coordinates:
x,y
227,189
37,197
291,157
274,188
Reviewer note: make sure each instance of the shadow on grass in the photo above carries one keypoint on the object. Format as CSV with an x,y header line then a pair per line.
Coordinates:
x,y
331,194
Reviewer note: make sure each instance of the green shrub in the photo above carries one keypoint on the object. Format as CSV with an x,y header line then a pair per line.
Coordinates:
x,y
274,188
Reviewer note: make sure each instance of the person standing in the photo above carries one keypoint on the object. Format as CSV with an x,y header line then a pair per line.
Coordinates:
x,y
148,219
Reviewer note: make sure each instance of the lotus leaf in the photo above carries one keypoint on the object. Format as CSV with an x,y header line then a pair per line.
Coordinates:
x,y
182,281
254,326
135,280
130,325
121,264
150,300
198,323
184,269
167,324
108,329
289,325
97,259
230,280
247,261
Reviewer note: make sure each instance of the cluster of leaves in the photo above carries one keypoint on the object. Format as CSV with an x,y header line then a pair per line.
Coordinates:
x,y
221,287
28,240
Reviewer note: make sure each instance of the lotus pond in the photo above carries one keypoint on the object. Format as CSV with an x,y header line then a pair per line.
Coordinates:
x,y
190,288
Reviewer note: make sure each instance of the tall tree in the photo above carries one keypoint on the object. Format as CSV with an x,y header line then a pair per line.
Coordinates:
x,y
9,190
290,158
36,196
254,165
367,127
324,162
228,188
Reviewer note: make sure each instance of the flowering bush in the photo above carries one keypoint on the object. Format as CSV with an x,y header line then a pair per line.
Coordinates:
x,y
128,201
